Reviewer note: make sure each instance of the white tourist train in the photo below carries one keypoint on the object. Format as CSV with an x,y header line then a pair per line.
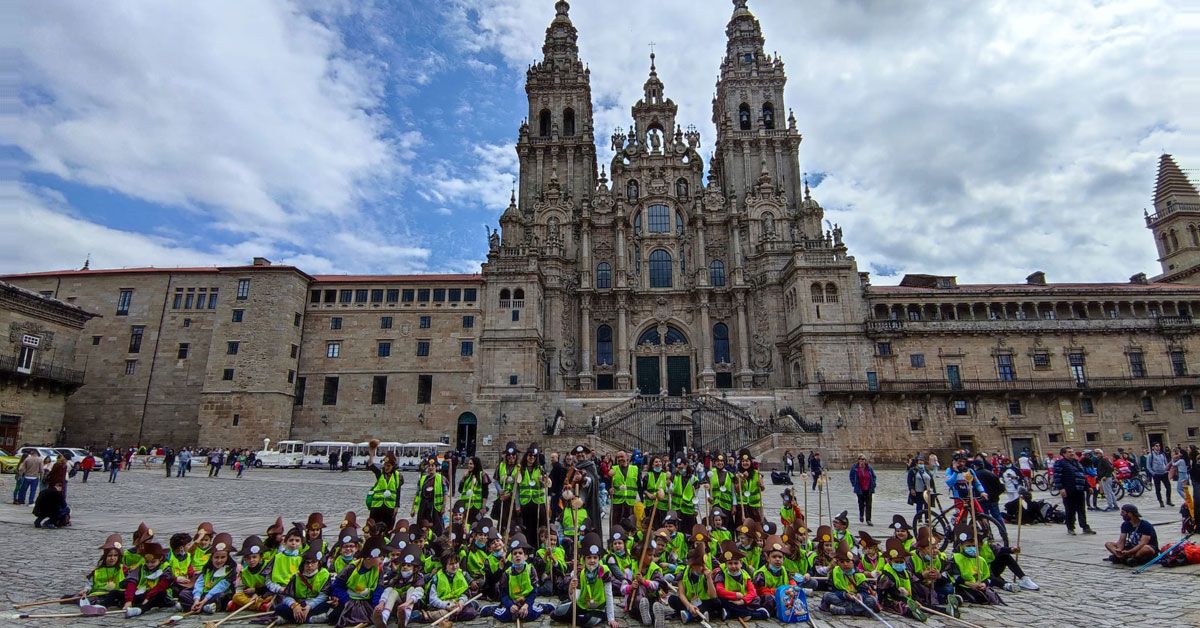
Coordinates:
x,y
315,454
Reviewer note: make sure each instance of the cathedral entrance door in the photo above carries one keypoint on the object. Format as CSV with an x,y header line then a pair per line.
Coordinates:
x,y
648,380
465,441
676,441
679,375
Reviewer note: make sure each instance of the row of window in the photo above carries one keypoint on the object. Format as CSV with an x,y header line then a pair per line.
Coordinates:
x,y
379,387
383,348
651,337
185,298
660,272
394,295
1087,405
386,322
1040,360
768,115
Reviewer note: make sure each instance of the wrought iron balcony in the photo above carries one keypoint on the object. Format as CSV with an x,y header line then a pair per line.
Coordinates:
x,y
46,372
990,386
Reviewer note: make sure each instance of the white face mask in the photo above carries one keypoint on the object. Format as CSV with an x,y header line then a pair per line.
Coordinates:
x,y
406,572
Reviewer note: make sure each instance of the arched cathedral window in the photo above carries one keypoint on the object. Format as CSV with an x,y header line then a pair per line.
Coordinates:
x,y
716,273
544,123
659,218
768,112
744,117
603,275
569,122
604,345
721,343
660,269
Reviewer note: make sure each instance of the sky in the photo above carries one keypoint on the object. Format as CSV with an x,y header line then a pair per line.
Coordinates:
x,y
985,140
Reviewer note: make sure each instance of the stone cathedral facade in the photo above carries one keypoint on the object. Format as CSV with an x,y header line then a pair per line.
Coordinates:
x,y
657,301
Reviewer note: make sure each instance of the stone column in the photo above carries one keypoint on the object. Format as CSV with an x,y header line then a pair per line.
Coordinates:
x,y
623,382
701,256
707,375
585,342
585,255
745,374
737,253
619,265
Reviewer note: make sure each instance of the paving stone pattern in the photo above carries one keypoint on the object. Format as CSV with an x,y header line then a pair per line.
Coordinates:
x,y
1077,587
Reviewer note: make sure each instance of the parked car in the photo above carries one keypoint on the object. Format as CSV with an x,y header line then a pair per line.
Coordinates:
x,y
8,462
44,452
74,456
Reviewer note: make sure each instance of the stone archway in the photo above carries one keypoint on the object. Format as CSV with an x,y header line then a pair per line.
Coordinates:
x,y
663,360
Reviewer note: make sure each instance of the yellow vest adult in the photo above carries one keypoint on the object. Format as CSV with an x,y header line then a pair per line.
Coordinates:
x,y
385,491
625,485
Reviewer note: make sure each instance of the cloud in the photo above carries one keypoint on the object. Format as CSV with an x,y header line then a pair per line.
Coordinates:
x,y
973,139
486,183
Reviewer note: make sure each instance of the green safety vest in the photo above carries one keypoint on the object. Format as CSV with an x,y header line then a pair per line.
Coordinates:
x,y
179,566
624,491
654,483
722,492
505,475
309,588
622,562
717,537
571,518
439,491
873,565
904,582
450,590
148,581
362,584
253,579
284,567
341,562
385,491
920,564
559,556
324,549
682,494
519,584
200,557
471,493
531,487
801,564
773,580
972,570
751,494
694,586
845,582
132,560
591,590
479,562
737,583
752,559
106,579
209,578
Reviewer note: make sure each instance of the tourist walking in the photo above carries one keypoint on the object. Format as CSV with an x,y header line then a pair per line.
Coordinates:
x,y
1104,476
29,473
169,460
86,466
1070,482
1157,466
789,463
815,467
185,462
862,480
1178,472
920,481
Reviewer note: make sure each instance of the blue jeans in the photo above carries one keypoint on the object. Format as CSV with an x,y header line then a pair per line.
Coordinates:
x,y
112,473
182,470
26,486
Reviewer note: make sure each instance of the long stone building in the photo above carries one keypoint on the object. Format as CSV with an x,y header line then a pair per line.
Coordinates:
x,y
654,302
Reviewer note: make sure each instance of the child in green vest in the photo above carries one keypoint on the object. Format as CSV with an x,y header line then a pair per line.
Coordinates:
x,y
253,576
132,557
870,559
696,596
551,563
590,593
405,585
850,592
286,562
314,534
179,561
747,543
895,582
104,582
772,575
735,585
930,586
344,550
201,545
969,570
146,586
518,597
214,583
450,592
619,561
359,587
716,524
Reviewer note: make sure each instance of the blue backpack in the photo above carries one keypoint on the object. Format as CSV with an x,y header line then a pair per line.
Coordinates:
x,y
791,605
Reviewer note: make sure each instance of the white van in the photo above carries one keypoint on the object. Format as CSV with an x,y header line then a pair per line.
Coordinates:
x,y
316,453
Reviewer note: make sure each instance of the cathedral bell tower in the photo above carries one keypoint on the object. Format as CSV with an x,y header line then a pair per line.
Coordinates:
x,y
1176,224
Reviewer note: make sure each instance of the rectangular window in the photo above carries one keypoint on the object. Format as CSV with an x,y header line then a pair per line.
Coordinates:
x,y
466,348
1087,405
385,322
1077,367
1091,437
238,315
425,322
961,408
1014,407
724,380
512,380
469,294
378,389
227,375
295,351
329,395
1187,402
190,299
135,338
296,319
182,354
315,297
212,299
516,315
422,348
883,349
377,295
335,322
423,295
130,366
330,296
333,349
917,360
360,295
291,376
1054,437
439,295
468,322
393,295
231,347
187,322
1041,360
1004,368
1192,432
1178,364
454,295
872,380
424,388
301,384
237,418
1137,364
177,302
1147,404
383,349
96,340
407,295
604,382
345,296
243,289
916,425
124,300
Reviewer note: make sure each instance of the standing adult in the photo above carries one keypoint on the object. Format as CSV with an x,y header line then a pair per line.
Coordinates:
x,y
333,460
862,481
558,475
347,456
1178,472
1025,466
87,465
532,485
587,482
815,467
920,482
214,463
185,462
1157,466
789,463
169,460
385,492
625,488
114,468
473,490
1104,476
29,474
1070,482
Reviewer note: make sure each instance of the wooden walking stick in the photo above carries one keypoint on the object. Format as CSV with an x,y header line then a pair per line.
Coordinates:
x,y
828,499
214,624
974,525
549,553
820,502
672,589
47,602
575,576
804,483
1020,516
950,617
638,567
456,608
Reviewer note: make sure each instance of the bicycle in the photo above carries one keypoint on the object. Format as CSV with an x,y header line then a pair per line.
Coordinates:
x,y
1043,480
944,520
1132,485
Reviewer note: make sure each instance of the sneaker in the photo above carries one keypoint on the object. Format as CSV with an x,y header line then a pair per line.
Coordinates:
x,y
659,611
643,610
953,602
1088,531
838,610
915,610
132,612
1011,587
209,609
1028,584
685,616
760,613
323,618
869,523
1071,531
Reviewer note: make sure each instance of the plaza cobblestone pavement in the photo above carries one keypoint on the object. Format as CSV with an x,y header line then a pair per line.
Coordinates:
x,y
1077,587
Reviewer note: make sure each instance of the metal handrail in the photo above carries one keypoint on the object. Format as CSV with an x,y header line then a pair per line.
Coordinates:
x,y
8,364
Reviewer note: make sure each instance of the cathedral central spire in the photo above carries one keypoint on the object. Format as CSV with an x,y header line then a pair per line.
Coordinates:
x,y
561,35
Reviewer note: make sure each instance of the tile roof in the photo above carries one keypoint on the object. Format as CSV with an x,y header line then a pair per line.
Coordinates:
x,y
469,278
1171,181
